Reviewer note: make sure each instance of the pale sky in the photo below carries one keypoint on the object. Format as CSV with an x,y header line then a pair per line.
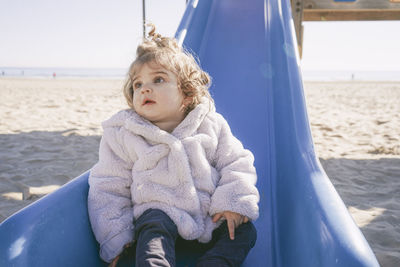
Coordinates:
x,y
105,33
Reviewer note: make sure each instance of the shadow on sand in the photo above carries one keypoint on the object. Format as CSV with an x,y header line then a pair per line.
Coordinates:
x,y
35,163
370,189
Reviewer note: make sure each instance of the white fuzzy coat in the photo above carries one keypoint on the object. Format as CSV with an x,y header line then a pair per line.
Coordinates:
x,y
191,174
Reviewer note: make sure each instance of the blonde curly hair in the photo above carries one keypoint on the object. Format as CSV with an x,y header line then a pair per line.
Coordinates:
x,y
164,51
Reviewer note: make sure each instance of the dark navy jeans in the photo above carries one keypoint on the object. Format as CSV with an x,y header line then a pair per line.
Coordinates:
x,y
157,236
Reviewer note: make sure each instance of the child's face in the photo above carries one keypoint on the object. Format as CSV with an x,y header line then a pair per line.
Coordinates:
x,y
156,96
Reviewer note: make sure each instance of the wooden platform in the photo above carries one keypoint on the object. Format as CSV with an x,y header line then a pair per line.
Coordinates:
x,y
342,10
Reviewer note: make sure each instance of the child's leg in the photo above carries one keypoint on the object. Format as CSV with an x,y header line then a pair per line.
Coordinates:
x,y
227,252
155,234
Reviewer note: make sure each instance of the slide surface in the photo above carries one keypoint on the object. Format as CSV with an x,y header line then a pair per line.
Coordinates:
x,y
248,47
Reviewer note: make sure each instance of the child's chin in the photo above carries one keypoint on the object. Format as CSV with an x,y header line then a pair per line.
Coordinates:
x,y
148,117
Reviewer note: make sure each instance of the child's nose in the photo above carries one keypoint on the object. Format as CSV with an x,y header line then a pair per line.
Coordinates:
x,y
145,88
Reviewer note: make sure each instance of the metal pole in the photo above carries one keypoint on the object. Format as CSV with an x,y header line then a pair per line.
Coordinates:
x,y
144,18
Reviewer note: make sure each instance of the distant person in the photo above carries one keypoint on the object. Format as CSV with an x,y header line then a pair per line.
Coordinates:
x,y
54,75
2,73
170,169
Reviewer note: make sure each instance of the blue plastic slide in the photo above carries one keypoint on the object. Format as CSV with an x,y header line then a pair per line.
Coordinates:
x,y
249,49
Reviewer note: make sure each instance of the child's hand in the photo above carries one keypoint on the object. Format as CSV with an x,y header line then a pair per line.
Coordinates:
x,y
116,259
233,220
114,262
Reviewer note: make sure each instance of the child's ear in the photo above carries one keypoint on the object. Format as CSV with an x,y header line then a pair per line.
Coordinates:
x,y
187,101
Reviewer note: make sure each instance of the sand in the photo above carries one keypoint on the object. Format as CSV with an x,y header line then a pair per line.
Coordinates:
x,y
50,132
356,131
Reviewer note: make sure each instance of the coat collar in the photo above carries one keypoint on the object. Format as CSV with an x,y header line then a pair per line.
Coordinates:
x,y
140,126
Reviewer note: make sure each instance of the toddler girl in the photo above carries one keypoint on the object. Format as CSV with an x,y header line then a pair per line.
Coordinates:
x,y
169,168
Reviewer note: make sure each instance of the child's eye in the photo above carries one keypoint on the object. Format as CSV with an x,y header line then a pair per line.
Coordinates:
x,y
159,80
137,85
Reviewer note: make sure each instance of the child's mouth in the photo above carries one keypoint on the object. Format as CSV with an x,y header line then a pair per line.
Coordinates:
x,y
148,102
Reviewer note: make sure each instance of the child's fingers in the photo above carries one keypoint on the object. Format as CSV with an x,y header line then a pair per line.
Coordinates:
x,y
216,217
114,262
231,228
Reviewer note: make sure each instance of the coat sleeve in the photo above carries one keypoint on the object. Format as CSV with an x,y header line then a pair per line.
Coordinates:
x,y
109,200
236,190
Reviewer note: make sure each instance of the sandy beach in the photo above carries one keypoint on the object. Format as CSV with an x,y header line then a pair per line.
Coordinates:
x,y
50,132
356,131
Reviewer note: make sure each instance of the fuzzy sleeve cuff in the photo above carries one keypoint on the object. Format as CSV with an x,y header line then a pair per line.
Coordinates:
x,y
113,247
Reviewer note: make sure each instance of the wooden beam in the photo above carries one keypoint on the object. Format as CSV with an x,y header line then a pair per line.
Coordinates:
x,y
350,15
359,4
329,10
297,13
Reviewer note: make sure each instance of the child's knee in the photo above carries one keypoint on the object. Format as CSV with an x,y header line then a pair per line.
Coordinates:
x,y
248,230
157,220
